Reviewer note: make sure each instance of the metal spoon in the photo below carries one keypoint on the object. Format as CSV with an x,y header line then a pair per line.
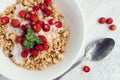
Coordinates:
x,y
95,51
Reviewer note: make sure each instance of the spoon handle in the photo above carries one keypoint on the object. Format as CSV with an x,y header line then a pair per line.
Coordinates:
x,y
71,68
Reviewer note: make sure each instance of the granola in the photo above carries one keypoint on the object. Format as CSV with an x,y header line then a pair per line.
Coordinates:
x,y
33,34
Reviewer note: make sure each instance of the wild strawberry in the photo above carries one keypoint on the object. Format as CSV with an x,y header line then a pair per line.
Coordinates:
x,y
39,47
18,39
113,27
48,2
45,46
32,12
47,12
26,50
24,54
34,52
44,39
15,23
27,18
22,13
58,24
34,17
4,20
35,8
102,20
31,23
24,27
46,28
51,21
86,69
43,6
40,22
36,27
109,21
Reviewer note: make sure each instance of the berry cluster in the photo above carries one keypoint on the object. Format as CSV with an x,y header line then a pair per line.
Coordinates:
x,y
103,20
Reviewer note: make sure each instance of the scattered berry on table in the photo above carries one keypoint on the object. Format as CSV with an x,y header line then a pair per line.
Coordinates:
x,y
113,27
109,21
102,20
86,69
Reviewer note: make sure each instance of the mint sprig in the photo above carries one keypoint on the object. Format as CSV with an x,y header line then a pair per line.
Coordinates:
x,y
31,39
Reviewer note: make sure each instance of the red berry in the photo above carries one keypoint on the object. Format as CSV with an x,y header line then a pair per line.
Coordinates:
x,y
35,8
109,21
32,12
22,13
47,12
34,52
26,50
31,23
18,39
36,27
39,47
40,22
34,17
58,24
24,27
86,69
44,40
24,54
45,46
15,23
27,18
46,28
48,2
51,21
113,27
43,6
102,20
4,20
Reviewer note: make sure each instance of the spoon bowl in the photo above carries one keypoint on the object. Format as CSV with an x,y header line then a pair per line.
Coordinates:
x,y
99,49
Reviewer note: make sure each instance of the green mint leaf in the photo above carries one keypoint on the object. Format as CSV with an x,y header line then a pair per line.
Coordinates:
x,y
37,40
31,40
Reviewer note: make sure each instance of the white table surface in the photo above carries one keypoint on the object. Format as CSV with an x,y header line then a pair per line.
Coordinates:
x,y
108,68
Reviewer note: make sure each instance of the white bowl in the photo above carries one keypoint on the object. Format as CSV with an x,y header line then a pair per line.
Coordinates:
x,y
74,21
